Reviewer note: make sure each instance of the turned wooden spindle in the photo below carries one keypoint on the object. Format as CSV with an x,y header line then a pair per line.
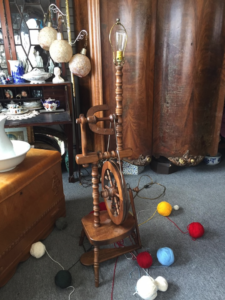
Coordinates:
x,y
119,107
95,194
83,121
96,265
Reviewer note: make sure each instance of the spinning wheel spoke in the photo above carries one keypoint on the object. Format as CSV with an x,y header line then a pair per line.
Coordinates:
x,y
110,179
116,204
114,192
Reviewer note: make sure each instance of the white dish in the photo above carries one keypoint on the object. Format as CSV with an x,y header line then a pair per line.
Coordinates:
x,y
34,107
21,148
212,160
31,104
21,113
36,76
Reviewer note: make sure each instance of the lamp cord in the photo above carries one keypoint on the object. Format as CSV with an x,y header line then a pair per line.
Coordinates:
x,y
137,189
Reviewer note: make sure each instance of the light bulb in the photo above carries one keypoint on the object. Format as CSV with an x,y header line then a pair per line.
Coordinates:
x,y
120,44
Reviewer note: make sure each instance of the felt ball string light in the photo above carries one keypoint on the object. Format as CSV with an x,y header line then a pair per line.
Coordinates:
x,y
196,230
63,278
147,287
164,208
144,260
165,256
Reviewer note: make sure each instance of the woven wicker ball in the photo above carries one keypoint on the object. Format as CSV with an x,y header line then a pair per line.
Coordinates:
x,y
80,65
60,50
46,36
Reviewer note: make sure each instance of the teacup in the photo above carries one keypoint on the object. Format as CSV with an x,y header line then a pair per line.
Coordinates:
x,y
16,110
12,106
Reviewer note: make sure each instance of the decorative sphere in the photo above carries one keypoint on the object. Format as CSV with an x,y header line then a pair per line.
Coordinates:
x,y
144,260
164,208
61,51
196,230
37,250
165,256
46,36
63,279
80,65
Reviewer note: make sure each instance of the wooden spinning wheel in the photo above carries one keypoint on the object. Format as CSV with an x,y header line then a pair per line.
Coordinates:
x,y
111,226
114,192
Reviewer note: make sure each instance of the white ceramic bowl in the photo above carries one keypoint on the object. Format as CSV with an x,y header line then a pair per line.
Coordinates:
x,y
212,160
32,104
21,149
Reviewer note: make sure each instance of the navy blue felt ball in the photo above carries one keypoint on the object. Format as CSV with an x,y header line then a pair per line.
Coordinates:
x,y
63,279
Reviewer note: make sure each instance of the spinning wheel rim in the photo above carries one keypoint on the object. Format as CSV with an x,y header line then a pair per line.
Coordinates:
x,y
114,169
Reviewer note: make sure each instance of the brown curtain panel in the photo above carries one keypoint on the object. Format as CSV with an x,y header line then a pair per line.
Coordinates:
x,y
174,80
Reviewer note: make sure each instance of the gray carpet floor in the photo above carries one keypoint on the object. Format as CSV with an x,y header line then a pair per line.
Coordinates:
x,y
199,267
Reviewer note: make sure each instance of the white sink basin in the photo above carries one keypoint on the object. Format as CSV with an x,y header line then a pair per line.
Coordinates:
x,y
21,149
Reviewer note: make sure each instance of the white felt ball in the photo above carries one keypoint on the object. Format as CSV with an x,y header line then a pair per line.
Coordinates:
x,y
161,283
37,250
147,288
176,207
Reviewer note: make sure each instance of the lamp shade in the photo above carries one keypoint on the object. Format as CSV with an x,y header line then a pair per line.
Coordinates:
x,y
118,41
80,64
46,36
60,50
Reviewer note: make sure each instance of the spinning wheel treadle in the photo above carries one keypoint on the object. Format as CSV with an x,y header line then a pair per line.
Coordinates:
x,y
114,192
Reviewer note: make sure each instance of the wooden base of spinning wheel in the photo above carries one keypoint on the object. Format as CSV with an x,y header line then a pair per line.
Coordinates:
x,y
108,233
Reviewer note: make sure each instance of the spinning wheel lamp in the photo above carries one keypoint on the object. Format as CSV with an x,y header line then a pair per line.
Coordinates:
x,y
60,49
118,41
116,223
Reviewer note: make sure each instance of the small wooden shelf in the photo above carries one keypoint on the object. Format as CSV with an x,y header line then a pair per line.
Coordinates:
x,y
61,92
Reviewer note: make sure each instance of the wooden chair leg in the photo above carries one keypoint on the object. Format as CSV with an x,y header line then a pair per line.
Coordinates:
x,y
96,265
82,236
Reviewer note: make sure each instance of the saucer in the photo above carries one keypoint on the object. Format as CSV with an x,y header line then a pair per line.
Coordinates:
x,y
34,107
21,113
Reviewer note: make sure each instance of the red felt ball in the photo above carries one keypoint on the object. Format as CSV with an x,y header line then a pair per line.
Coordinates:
x,y
196,230
102,206
144,260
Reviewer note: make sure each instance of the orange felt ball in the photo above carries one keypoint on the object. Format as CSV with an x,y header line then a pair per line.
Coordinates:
x,y
164,208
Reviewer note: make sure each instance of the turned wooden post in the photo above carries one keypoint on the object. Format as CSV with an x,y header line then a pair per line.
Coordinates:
x,y
119,107
95,194
96,265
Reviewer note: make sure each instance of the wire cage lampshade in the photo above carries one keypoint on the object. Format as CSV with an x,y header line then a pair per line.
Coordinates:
x,y
118,42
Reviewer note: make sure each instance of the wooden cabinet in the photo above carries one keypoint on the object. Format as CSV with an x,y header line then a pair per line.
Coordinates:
x,y
61,92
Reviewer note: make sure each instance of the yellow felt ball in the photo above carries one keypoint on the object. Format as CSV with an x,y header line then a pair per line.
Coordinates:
x,y
164,208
